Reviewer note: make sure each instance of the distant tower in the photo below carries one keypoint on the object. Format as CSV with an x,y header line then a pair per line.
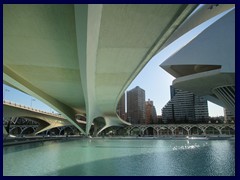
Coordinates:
x,y
151,115
136,106
121,107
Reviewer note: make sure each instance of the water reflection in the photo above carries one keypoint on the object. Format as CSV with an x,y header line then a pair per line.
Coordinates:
x,y
123,157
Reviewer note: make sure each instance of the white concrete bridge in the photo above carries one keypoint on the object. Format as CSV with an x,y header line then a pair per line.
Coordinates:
x,y
45,120
79,59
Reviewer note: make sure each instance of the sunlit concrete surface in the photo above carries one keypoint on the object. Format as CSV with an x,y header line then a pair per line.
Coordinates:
x,y
79,59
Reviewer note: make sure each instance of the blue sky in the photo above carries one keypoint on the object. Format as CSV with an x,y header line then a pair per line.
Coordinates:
x,y
153,79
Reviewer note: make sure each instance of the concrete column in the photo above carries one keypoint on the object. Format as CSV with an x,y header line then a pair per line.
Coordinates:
x,y
60,130
22,129
95,129
204,132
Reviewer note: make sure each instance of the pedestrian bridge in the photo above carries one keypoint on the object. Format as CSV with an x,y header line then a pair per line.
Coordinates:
x,y
45,120
25,126
180,129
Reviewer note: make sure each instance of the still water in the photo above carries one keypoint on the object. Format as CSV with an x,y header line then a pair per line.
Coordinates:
x,y
115,157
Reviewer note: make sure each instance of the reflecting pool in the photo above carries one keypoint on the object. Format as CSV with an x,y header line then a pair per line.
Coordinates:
x,y
121,157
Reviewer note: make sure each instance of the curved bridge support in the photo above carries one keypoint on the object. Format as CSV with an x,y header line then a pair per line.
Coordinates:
x,y
110,121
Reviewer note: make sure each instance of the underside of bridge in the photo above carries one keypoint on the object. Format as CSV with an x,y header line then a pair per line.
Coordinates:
x,y
79,59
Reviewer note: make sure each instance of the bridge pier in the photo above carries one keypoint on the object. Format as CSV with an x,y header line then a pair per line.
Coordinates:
x,y
95,130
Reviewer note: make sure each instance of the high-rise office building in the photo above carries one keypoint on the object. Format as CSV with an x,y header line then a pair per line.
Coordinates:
x,y
136,106
151,115
121,107
184,106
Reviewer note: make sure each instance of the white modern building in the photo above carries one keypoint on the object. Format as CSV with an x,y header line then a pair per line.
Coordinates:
x,y
206,65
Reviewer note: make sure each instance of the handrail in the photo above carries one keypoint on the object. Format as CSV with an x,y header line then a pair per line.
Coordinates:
x,y
30,108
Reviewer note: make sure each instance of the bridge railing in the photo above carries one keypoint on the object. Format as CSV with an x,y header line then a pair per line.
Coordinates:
x,y
30,108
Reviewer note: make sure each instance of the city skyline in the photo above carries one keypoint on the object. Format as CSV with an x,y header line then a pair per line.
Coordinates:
x,y
16,96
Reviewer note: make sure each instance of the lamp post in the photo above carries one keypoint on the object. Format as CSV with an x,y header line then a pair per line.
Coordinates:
x,y
32,101
4,92
51,111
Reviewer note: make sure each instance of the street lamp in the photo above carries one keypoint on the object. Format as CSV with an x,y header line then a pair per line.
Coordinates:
x,y
51,110
32,101
4,92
